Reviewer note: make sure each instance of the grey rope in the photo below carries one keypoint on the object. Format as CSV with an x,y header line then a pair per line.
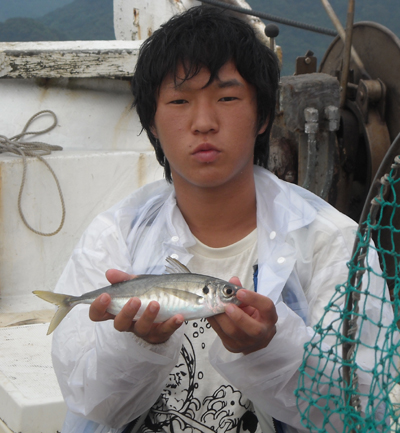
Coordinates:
x,y
292,23
34,149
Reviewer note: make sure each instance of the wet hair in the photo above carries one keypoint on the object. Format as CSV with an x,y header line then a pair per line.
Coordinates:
x,y
205,37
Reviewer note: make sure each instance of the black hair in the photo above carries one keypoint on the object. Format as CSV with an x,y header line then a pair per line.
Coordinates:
x,y
205,37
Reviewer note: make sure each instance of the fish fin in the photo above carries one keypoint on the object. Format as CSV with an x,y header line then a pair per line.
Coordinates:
x,y
176,267
62,301
182,294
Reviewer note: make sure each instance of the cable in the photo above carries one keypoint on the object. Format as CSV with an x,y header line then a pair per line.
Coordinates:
x,y
273,18
34,149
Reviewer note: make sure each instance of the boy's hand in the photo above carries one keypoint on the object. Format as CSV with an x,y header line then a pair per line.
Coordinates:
x,y
247,328
144,327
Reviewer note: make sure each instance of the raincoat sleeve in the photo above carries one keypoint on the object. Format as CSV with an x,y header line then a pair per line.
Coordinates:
x,y
269,377
104,375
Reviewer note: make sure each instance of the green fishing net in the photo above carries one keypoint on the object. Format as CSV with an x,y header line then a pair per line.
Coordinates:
x,y
348,384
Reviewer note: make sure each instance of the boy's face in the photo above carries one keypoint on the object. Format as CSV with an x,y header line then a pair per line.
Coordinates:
x,y
208,133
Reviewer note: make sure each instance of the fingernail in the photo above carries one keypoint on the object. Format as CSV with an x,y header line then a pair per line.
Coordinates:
x,y
178,322
153,307
103,299
131,304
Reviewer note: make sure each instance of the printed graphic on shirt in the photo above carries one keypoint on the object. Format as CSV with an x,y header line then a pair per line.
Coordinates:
x,y
196,398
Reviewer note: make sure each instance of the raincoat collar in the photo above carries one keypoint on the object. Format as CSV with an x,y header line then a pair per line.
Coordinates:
x,y
280,210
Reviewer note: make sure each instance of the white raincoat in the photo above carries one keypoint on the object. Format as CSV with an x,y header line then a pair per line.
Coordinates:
x,y
112,378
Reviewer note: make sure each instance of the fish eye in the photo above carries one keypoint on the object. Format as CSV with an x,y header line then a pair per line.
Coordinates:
x,y
228,291
205,290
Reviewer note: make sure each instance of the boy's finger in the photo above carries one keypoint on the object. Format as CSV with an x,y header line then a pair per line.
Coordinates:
x,y
213,321
242,320
167,328
236,281
145,323
264,325
146,329
98,308
260,302
124,319
115,276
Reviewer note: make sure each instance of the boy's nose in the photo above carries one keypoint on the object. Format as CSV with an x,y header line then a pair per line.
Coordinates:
x,y
204,119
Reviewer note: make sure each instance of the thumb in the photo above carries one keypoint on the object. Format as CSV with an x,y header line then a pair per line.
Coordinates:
x,y
115,276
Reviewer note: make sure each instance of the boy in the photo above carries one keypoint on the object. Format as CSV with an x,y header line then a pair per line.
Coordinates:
x,y
205,90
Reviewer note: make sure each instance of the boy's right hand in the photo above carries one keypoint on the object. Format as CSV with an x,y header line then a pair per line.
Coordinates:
x,y
144,327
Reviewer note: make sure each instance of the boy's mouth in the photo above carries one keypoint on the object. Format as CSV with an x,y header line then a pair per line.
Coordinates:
x,y
205,152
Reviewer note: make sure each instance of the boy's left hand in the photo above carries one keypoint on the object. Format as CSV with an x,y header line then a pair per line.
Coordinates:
x,y
247,328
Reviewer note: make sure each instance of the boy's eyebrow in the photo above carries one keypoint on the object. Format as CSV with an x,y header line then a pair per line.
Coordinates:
x,y
219,83
229,83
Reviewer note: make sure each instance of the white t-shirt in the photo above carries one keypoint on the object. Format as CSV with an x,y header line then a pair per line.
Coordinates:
x,y
196,398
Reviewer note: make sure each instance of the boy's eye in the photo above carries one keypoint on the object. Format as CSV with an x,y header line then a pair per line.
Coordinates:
x,y
228,98
178,101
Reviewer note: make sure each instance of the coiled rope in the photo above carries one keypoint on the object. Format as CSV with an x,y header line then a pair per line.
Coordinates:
x,y
35,149
262,15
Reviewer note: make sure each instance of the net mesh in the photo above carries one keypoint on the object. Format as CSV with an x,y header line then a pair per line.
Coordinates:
x,y
348,382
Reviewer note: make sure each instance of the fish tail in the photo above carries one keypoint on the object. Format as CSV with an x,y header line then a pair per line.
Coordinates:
x,y
64,303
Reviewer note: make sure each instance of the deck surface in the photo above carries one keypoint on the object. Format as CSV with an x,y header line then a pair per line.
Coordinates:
x,y
30,398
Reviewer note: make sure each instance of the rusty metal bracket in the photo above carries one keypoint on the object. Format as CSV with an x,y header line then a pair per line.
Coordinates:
x,y
306,64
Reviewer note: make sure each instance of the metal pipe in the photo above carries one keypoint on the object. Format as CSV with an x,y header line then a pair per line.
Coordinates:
x,y
347,52
311,129
335,20
332,115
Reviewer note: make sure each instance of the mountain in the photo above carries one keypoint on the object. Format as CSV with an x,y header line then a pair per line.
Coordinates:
x,y
75,20
28,29
83,20
28,8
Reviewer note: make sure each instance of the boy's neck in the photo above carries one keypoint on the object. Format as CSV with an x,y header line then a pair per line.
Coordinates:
x,y
219,217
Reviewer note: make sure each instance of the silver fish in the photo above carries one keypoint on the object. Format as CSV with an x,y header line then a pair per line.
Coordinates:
x,y
192,295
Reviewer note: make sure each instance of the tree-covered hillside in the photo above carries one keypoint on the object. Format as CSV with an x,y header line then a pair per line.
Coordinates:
x,y
76,20
93,20
28,29
83,20
28,8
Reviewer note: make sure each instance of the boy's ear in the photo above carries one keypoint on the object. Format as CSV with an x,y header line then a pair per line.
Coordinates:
x,y
264,126
154,131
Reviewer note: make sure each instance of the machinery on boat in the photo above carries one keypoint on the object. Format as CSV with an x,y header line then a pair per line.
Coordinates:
x,y
333,129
